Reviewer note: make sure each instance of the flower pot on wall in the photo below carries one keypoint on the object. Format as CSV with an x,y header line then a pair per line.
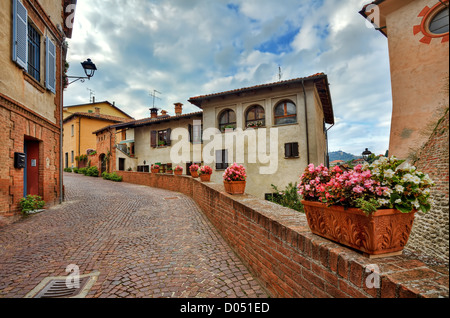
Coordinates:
x,y
205,177
155,170
234,187
178,172
194,174
383,233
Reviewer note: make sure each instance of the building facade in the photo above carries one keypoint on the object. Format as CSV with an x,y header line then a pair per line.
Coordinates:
x,y
80,122
275,130
32,55
418,35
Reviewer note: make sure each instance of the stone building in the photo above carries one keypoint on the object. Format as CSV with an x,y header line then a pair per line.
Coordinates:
x,y
275,130
32,56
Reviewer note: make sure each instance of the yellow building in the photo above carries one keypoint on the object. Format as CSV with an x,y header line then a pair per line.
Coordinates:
x,y
80,121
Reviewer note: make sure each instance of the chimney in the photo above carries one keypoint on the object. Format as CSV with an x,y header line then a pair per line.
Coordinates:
x,y
93,99
164,112
153,113
178,109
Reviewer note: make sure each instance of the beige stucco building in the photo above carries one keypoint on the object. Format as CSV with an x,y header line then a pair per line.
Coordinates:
x,y
418,36
277,129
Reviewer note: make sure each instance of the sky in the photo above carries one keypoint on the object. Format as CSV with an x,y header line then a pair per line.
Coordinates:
x,y
178,49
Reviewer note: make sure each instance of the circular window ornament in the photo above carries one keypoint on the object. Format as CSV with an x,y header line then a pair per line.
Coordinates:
x,y
435,23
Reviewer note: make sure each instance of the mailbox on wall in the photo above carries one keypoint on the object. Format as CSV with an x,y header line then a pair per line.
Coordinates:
x,y
19,160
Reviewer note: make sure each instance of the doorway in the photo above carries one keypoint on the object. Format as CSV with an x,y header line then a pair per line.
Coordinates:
x,y
31,171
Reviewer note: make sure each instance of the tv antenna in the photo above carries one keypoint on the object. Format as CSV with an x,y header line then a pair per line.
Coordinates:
x,y
91,95
154,96
280,75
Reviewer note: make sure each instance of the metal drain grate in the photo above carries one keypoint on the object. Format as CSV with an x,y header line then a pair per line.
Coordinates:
x,y
57,288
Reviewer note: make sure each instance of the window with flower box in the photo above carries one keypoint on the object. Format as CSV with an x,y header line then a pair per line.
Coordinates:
x,y
255,117
227,119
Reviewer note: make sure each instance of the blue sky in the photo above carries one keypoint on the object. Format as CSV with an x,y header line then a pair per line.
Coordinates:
x,y
185,48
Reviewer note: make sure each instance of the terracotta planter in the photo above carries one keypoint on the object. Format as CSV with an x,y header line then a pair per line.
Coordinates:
x,y
384,233
205,177
234,187
169,171
178,172
194,174
155,170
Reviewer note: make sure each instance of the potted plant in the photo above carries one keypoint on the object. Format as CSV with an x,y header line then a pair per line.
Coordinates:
x,y
234,179
169,170
205,173
370,208
178,170
194,170
155,168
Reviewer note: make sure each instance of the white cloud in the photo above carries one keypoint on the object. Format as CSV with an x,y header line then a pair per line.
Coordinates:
x,y
185,48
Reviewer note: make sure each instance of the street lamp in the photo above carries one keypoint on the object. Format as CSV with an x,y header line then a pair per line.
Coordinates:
x,y
366,153
89,70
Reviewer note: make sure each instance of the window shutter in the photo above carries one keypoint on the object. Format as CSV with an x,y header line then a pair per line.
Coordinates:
x,y
153,138
287,150
20,34
190,133
50,65
219,160
168,141
295,152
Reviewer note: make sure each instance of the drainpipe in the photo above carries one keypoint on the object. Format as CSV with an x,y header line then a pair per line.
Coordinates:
x,y
79,137
306,120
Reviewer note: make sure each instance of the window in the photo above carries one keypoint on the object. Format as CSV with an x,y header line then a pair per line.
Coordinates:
x,y
73,130
34,53
439,23
285,113
196,132
122,164
291,150
227,119
221,159
255,117
160,138
72,156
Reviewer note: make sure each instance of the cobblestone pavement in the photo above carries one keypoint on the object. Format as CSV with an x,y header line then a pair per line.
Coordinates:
x,y
144,242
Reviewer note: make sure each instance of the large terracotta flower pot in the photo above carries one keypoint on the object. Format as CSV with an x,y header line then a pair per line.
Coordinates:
x,y
194,174
178,172
205,177
155,170
383,233
234,187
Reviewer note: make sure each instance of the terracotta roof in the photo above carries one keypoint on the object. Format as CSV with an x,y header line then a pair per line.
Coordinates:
x,y
320,80
150,121
380,28
103,102
99,117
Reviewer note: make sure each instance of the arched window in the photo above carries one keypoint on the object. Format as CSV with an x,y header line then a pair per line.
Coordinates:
x,y
255,117
227,119
285,113
439,23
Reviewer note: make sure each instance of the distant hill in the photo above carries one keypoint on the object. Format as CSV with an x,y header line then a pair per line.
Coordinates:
x,y
341,155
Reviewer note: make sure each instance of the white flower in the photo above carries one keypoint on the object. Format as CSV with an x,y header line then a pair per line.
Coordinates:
x,y
416,204
398,201
415,179
383,201
399,188
426,191
389,173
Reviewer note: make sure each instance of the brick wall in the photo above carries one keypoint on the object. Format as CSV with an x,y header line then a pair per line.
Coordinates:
x,y
430,232
16,122
277,246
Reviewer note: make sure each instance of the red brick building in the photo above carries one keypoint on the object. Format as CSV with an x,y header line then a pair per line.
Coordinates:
x,y
32,58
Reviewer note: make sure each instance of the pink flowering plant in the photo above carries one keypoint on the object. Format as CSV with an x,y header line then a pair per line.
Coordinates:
x,y
235,173
387,183
194,168
178,168
205,170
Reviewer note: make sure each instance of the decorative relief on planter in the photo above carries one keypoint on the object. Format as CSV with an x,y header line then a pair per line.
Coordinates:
x,y
384,232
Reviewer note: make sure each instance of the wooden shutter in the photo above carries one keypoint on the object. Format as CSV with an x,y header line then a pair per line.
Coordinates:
x,y
295,152
50,65
153,138
20,34
287,150
168,141
191,139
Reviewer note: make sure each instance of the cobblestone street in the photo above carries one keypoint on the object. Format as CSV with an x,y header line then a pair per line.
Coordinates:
x,y
143,242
